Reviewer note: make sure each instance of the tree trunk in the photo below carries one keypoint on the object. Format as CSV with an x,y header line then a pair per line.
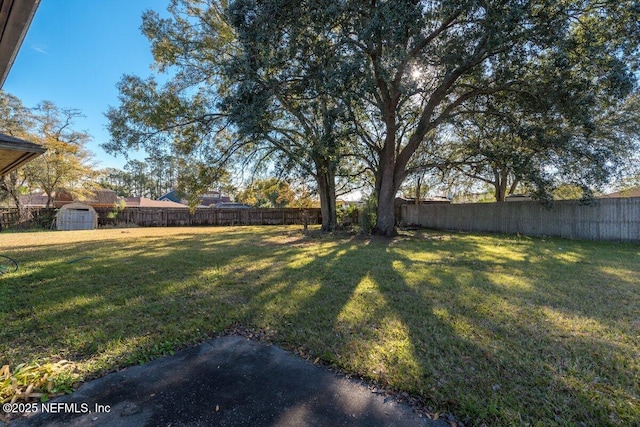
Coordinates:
x,y
386,220
17,201
386,186
500,184
514,186
11,186
499,193
49,199
327,192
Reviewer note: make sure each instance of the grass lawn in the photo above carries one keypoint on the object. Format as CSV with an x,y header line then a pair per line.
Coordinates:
x,y
494,329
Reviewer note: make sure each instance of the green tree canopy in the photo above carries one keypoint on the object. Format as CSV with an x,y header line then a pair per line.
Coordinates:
x,y
440,60
312,83
236,91
67,164
268,193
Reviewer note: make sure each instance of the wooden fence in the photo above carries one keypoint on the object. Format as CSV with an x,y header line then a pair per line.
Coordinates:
x,y
603,219
165,217
26,218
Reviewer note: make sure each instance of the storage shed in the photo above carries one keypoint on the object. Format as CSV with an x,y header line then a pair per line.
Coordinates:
x,y
76,216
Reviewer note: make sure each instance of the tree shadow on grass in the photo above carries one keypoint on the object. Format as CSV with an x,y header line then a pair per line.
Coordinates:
x,y
550,326
124,293
460,336
134,300
436,316
354,310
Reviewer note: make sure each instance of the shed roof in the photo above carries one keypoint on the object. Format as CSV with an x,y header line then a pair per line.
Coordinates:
x,y
78,206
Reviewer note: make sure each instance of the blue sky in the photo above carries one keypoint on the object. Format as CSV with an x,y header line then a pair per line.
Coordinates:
x,y
74,54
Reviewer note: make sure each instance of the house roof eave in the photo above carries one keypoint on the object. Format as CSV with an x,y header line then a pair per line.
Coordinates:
x,y
15,152
15,19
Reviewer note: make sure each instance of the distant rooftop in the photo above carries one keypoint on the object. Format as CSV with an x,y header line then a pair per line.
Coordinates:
x,y
207,199
143,202
632,192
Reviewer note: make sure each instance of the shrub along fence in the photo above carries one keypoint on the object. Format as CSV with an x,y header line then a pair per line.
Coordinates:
x,y
603,219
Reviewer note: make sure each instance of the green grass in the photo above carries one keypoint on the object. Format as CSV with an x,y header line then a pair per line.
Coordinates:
x,y
494,329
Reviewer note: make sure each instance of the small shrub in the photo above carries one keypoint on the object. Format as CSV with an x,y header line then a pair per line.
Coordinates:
x,y
37,381
118,207
347,215
369,216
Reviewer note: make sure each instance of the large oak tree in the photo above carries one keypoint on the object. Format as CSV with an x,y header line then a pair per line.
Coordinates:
x,y
436,58
237,92
305,77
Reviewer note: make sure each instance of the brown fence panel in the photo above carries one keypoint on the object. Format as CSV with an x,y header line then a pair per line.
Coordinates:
x,y
13,219
171,217
9,218
603,219
283,216
168,217
104,217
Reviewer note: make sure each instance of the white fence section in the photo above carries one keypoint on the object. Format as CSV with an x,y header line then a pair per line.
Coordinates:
x,y
603,219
